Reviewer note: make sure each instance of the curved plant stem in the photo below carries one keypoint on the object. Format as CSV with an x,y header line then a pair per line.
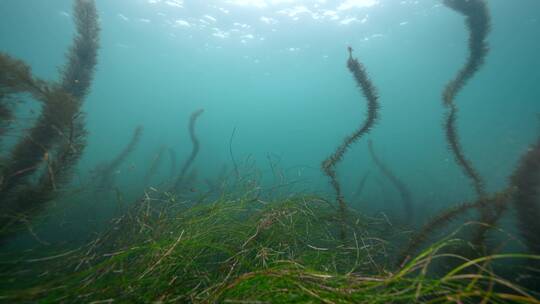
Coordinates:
x,y
196,146
526,181
370,93
400,186
478,24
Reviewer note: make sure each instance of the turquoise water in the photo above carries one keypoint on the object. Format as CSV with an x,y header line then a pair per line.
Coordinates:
x,y
275,72
260,94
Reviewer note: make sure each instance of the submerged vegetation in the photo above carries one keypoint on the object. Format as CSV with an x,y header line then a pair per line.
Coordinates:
x,y
195,148
240,240
104,173
404,192
241,250
43,160
329,164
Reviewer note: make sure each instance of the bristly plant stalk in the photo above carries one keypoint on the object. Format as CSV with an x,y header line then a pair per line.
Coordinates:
x,y
328,165
526,182
478,25
404,192
58,138
105,172
195,149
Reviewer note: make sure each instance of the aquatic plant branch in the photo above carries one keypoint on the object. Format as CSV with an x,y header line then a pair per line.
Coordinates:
x,y
453,140
172,159
526,201
196,146
58,108
404,192
370,93
154,165
82,57
361,185
132,145
106,172
31,200
58,137
15,77
478,25
235,166
35,147
446,216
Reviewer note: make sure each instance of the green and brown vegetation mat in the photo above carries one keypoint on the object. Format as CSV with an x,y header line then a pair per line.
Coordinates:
x,y
246,250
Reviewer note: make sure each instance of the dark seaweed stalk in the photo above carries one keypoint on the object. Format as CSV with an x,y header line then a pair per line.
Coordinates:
x,y
361,185
82,57
172,159
31,199
59,109
77,78
478,24
15,77
370,93
400,186
196,146
446,216
106,172
33,149
437,222
526,181
154,165
58,138
120,158
235,166
452,138
6,115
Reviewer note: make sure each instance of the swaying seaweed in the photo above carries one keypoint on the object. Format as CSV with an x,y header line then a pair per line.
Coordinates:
x,y
196,146
243,242
526,201
15,77
400,186
361,185
82,57
154,165
105,172
445,217
58,138
172,159
478,24
370,93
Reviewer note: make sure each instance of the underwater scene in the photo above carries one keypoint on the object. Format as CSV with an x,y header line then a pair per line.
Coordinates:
x,y
269,151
